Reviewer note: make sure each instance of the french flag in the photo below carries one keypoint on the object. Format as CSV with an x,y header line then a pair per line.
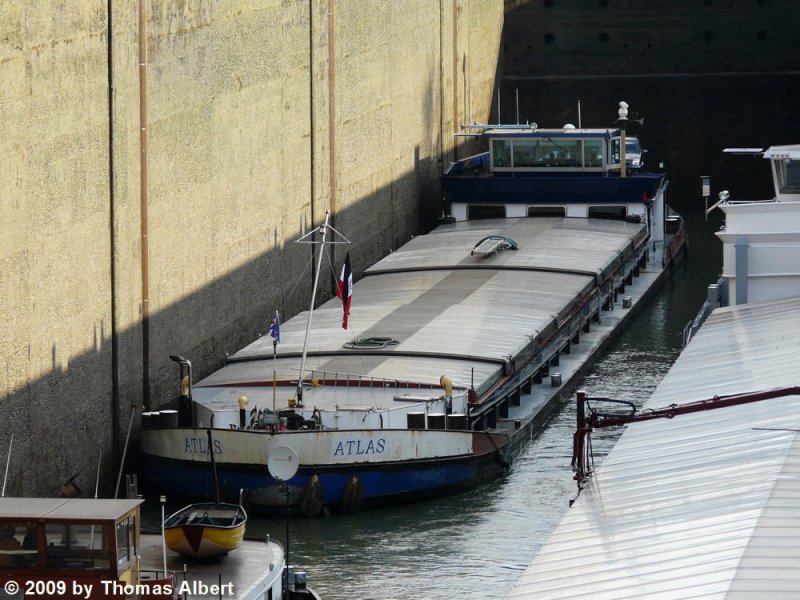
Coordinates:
x,y
345,289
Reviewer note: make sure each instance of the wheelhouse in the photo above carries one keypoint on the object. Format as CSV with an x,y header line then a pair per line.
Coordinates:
x,y
567,173
56,540
785,162
554,150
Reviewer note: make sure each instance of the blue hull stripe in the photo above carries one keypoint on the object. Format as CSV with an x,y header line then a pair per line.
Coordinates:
x,y
380,483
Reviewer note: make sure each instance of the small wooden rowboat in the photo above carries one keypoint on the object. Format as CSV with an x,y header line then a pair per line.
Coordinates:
x,y
205,530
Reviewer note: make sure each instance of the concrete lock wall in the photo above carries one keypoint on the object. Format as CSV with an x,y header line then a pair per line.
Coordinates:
x,y
259,118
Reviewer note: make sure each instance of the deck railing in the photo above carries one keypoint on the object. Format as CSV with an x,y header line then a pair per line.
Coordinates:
x,y
335,378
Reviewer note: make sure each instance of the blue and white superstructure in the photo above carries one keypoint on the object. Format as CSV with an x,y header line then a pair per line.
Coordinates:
x,y
567,172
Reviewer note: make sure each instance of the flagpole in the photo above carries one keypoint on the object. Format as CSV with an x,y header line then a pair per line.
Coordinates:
x,y
324,230
275,332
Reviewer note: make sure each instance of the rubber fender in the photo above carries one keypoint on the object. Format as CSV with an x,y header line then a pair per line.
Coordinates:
x,y
503,459
311,497
352,496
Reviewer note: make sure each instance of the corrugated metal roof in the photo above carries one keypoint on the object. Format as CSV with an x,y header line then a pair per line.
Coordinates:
x,y
591,246
704,505
424,293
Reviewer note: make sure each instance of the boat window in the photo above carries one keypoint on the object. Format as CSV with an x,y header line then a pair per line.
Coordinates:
x,y
501,153
565,153
123,542
788,174
477,212
548,153
607,211
614,154
547,211
18,544
526,153
593,153
72,546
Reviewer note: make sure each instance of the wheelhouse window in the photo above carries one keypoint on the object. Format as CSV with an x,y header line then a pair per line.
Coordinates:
x,y
593,153
501,153
73,546
614,154
564,153
526,153
521,153
547,211
476,212
547,152
608,211
18,544
126,547
788,175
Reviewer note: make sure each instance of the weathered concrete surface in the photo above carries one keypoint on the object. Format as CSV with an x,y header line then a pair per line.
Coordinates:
x,y
54,243
260,117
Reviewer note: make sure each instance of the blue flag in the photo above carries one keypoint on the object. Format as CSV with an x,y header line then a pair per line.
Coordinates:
x,y
275,328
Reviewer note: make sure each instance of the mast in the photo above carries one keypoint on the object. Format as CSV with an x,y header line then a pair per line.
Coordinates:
x,y
309,239
323,229
213,465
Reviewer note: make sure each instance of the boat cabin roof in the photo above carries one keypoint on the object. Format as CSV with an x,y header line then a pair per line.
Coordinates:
x,y
66,509
778,152
565,132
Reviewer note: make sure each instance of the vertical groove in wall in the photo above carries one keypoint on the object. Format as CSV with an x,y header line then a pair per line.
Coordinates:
x,y
467,93
332,102
332,113
143,206
455,78
311,166
112,241
441,88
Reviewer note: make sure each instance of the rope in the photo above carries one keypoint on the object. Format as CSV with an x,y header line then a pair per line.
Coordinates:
x,y
371,342
306,268
300,277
